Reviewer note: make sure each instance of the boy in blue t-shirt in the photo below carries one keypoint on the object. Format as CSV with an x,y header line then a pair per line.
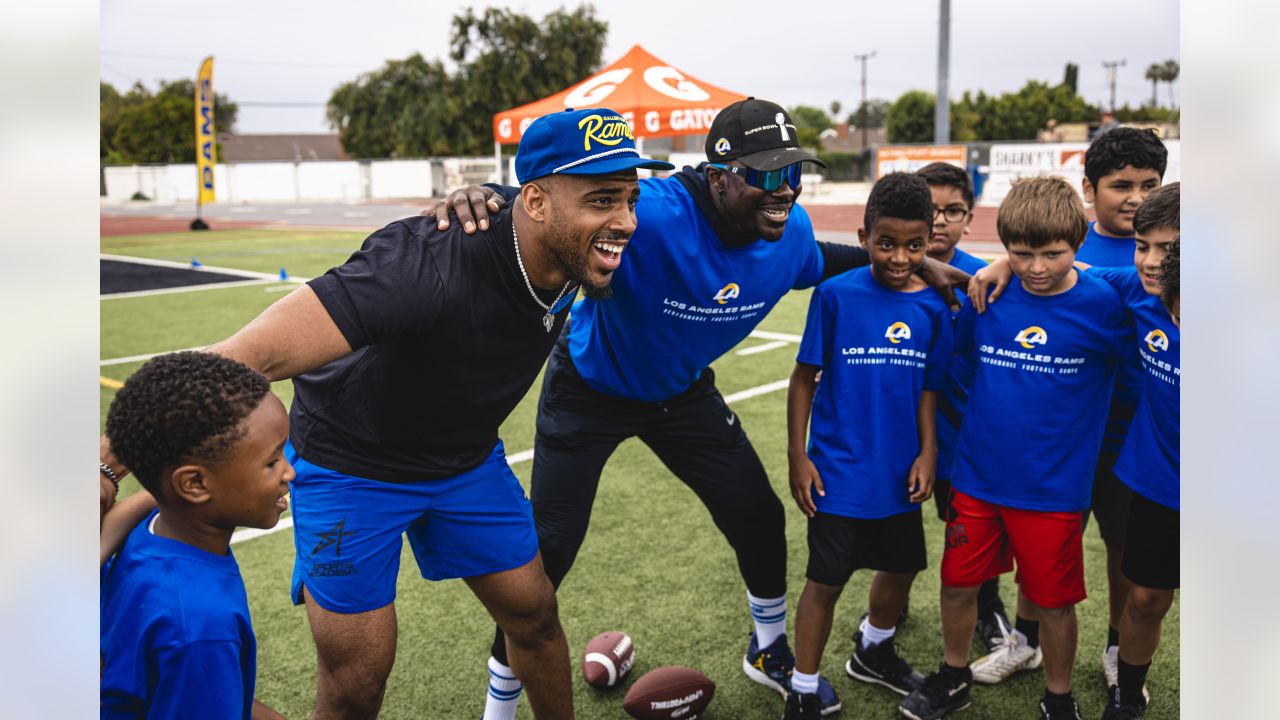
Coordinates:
x,y
952,213
1149,461
882,341
1046,360
205,437
1121,169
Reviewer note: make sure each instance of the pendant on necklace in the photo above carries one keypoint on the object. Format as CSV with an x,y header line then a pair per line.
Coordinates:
x,y
547,321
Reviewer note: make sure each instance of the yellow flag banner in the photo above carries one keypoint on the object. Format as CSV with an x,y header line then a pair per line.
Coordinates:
x,y
206,147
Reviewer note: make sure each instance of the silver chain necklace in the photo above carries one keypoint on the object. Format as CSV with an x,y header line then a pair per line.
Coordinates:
x,y
549,319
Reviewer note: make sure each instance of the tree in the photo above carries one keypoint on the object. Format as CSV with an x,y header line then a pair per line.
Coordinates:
x,y
1155,73
415,107
875,113
141,127
1070,76
910,118
810,122
835,108
1170,69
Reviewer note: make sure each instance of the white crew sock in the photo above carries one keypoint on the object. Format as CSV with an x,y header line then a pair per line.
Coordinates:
x,y
504,692
770,616
872,635
804,682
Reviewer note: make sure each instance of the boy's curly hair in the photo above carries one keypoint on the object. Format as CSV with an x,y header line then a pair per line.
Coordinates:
x,y
1124,146
899,195
178,407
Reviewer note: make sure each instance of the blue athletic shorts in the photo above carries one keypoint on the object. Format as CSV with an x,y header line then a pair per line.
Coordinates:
x,y
346,530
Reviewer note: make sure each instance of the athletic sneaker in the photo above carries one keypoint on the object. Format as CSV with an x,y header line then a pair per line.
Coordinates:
x,y
881,665
772,666
1012,655
942,692
992,627
802,706
1111,668
1122,705
1059,709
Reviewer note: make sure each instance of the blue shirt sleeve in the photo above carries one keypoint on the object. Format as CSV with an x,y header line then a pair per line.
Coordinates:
x,y
1124,279
811,268
201,680
938,364
814,344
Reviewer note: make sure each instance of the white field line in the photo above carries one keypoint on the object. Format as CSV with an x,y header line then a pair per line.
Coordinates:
x,y
766,335
512,459
187,266
766,347
145,356
185,289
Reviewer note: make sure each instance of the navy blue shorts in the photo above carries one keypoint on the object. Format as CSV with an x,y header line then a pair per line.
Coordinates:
x,y
346,530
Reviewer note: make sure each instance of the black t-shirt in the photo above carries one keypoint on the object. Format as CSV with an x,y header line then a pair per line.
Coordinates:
x,y
446,341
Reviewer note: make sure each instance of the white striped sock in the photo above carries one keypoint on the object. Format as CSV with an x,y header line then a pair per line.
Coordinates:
x,y
504,692
770,617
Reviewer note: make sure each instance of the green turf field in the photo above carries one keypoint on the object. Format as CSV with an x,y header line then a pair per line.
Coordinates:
x,y
653,565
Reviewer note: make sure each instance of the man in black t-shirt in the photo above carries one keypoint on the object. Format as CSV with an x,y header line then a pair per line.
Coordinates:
x,y
405,360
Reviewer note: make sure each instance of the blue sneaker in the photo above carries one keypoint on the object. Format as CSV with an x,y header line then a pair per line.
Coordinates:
x,y
772,666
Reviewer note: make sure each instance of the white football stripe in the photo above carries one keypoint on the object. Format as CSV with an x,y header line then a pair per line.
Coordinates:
x,y
606,662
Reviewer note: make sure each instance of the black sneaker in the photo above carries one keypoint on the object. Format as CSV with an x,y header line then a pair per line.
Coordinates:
x,y
1059,709
942,692
879,664
989,628
1124,705
803,706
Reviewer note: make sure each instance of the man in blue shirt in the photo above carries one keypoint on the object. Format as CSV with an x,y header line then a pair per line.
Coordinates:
x,y
715,249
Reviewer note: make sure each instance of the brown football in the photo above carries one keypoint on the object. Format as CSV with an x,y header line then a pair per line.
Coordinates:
x,y
669,693
608,659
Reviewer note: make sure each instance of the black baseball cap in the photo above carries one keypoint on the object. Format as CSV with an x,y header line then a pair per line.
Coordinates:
x,y
757,133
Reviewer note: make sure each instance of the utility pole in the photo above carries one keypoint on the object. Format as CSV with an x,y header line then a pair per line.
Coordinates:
x,y
942,108
1111,78
862,109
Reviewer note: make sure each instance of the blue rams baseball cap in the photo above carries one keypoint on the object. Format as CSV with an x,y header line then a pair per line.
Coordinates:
x,y
596,141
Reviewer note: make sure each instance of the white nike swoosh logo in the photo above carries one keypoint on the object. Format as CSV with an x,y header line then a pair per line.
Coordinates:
x,y
951,693
729,419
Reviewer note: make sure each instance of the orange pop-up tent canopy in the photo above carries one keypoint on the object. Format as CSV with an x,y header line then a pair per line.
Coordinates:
x,y
656,98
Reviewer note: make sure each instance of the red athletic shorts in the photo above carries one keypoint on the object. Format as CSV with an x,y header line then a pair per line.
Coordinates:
x,y
984,540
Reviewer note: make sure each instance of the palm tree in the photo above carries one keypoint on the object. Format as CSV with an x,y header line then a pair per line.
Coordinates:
x,y
1155,73
1171,70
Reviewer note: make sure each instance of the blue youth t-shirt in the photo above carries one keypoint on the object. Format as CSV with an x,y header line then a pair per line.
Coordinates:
x,y
681,297
176,639
878,349
952,399
1042,383
1150,459
1100,250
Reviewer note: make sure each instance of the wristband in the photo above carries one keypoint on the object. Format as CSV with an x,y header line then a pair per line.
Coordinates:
x,y
110,474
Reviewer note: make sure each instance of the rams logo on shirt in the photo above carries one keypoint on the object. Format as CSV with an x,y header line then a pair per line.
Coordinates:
x,y
1034,335
898,332
727,293
1157,340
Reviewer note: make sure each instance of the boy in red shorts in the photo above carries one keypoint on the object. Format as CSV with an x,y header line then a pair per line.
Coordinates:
x,y
1046,358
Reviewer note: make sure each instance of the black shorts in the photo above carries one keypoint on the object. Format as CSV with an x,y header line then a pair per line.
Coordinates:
x,y
1111,499
1151,556
839,545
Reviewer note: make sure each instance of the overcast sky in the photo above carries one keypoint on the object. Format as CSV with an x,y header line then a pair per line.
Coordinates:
x,y
294,51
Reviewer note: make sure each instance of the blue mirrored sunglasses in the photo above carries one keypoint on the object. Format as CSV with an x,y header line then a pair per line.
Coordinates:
x,y
766,180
